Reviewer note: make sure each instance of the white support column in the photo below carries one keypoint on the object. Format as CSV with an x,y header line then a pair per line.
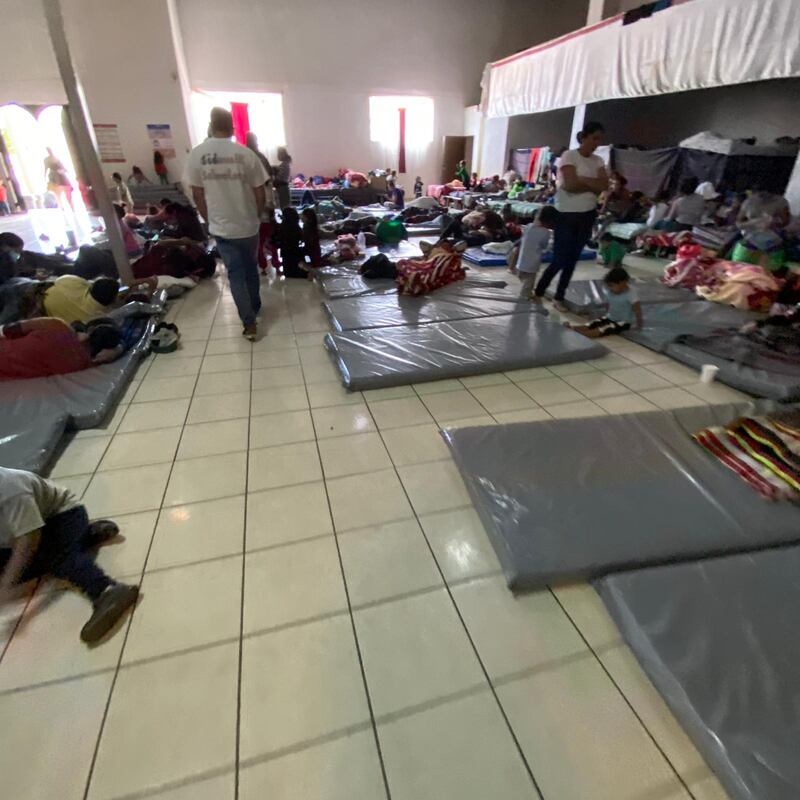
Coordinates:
x,y
84,134
792,193
598,10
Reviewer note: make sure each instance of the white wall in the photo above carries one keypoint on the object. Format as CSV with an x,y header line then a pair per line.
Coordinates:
x,y
28,70
126,62
495,150
473,127
328,58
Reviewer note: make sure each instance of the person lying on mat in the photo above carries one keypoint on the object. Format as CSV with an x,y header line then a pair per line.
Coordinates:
x,y
624,307
35,348
44,531
75,299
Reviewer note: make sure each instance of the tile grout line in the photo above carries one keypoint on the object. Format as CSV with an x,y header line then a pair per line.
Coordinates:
x,y
622,694
129,623
491,686
362,668
209,645
240,666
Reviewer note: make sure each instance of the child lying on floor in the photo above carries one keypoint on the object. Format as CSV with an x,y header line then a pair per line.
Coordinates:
x,y
44,531
623,307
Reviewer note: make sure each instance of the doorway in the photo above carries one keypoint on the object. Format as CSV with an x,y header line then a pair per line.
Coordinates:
x,y
454,149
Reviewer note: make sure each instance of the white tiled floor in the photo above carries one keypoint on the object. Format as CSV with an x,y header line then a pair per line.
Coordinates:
x,y
323,617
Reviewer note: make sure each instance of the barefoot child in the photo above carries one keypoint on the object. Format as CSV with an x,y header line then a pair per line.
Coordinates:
x,y
624,307
533,244
45,531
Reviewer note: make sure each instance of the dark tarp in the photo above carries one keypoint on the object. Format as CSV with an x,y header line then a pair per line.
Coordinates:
x,y
648,171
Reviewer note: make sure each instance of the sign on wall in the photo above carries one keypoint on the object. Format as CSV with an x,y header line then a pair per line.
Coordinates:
x,y
108,144
161,139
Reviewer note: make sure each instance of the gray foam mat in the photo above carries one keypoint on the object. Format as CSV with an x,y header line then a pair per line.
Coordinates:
x,y
578,498
663,322
388,310
718,639
35,413
588,297
753,380
373,359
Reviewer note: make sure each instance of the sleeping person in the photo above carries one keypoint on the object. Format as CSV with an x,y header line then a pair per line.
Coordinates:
x,y
43,346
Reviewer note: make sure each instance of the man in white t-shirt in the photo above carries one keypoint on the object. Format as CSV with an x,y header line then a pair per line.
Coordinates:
x,y
227,183
580,179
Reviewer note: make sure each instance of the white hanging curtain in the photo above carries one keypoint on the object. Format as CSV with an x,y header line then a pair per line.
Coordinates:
x,y
691,45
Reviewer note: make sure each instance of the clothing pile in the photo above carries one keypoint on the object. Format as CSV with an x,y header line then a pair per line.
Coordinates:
x,y
744,286
692,269
763,451
662,243
440,267
771,345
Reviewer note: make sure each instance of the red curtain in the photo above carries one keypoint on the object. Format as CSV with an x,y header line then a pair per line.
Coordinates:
x,y
241,121
401,154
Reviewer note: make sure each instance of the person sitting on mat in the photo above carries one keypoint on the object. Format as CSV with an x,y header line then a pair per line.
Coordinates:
x,y
45,531
623,308
34,348
533,244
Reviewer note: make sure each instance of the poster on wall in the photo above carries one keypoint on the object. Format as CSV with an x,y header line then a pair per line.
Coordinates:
x,y
161,139
108,144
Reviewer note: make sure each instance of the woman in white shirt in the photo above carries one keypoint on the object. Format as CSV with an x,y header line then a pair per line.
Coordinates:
x,y
688,209
581,177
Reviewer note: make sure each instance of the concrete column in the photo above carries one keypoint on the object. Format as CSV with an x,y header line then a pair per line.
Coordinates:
x,y
84,134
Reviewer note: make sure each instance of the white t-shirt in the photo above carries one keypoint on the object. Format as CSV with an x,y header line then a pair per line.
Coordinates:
x,y
228,172
27,502
657,212
535,240
586,167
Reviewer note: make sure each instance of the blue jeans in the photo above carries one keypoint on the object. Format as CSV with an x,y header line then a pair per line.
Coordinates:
x,y
239,257
573,230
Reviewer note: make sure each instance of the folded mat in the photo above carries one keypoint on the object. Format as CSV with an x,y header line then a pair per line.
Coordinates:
x,y
477,256
588,297
663,322
372,359
35,413
454,302
718,639
579,498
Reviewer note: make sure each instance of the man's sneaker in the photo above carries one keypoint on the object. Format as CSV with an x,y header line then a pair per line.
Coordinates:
x,y
250,332
108,609
102,531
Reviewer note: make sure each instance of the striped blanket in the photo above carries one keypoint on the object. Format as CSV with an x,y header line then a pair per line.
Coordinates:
x,y
440,267
763,451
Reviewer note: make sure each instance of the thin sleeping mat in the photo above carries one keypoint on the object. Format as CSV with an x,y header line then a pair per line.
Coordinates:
x,y
757,379
384,311
348,282
578,498
663,322
718,639
382,357
588,297
35,413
